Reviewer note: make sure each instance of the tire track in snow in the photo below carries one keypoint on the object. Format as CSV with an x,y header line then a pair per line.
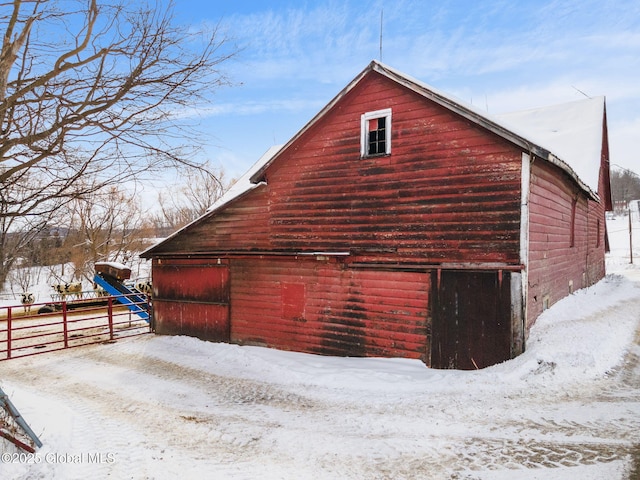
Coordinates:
x,y
92,437
116,423
245,417
247,421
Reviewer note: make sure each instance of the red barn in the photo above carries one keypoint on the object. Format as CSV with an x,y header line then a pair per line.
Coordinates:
x,y
399,222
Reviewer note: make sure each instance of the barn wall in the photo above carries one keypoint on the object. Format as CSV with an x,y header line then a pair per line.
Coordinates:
x,y
556,266
448,192
323,307
450,198
241,225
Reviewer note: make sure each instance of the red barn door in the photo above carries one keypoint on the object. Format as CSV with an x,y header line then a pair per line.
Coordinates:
x,y
191,298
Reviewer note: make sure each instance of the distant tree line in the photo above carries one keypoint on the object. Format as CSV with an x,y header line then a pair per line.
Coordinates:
x,y
111,225
625,187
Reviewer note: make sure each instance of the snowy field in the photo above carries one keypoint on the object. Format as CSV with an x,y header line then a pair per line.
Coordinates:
x,y
155,407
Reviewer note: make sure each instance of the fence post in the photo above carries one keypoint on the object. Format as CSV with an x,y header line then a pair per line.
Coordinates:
x,y
65,328
110,317
630,238
9,332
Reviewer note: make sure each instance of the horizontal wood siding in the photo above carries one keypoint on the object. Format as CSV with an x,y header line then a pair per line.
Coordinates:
x,y
556,268
191,297
342,311
448,196
242,225
204,321
449,191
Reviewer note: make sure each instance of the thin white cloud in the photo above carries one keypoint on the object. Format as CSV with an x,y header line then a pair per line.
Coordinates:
x,y
500,54
250,107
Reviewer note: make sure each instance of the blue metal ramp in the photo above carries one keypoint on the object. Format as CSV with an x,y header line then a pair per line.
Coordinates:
x,y
127,297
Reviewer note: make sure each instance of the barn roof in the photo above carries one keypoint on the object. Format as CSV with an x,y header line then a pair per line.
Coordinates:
x,y
571,131
244,183
567,135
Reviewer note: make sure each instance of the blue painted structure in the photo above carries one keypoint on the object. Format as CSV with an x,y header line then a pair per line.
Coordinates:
x,y
130,298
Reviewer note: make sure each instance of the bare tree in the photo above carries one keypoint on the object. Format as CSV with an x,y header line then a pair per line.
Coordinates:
x,y
91,90
625,186
25,277
18,232
198,191
107,225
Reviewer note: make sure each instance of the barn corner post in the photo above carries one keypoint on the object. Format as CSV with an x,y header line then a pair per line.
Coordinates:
x,y
520,280
518,315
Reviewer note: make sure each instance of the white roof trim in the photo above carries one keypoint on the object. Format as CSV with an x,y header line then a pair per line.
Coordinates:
x,y
511,128
567,135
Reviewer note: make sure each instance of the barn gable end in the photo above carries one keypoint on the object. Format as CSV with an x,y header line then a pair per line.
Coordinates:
x,y
337,247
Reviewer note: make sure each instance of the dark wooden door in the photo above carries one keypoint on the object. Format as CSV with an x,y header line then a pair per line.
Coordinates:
x,y
471,319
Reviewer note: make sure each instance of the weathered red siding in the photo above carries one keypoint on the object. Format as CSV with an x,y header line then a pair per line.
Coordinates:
x,y
449,191
191,297
313,306
242,225
556,267
337,254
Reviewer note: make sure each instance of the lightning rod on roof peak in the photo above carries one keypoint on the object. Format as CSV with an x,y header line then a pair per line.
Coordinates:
x,y
381,13
578,90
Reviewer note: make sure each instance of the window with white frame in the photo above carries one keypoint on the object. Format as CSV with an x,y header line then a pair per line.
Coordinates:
x,y
375,133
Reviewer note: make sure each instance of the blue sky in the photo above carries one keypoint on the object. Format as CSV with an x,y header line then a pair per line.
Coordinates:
x,y
499,55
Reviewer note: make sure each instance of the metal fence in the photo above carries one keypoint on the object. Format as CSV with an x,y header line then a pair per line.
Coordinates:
x,y
52,326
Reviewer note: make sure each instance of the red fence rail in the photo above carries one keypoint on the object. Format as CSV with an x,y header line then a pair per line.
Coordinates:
x,y
66,324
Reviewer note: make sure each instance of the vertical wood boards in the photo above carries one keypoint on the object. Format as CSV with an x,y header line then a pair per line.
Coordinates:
x,y
471,320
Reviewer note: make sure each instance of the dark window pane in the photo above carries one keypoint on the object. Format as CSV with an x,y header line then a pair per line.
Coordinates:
x,y
377,136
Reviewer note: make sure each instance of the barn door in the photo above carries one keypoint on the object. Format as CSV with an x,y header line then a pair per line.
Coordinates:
x,y
192,299
471,319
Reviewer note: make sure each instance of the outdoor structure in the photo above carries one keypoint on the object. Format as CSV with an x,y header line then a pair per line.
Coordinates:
x,y
399,222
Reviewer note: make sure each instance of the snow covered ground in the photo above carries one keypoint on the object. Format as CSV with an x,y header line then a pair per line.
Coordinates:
x,y
157,407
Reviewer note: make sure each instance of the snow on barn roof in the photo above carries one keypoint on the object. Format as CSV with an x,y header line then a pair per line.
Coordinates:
x,y
556,134
572,131
568,135
244,184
